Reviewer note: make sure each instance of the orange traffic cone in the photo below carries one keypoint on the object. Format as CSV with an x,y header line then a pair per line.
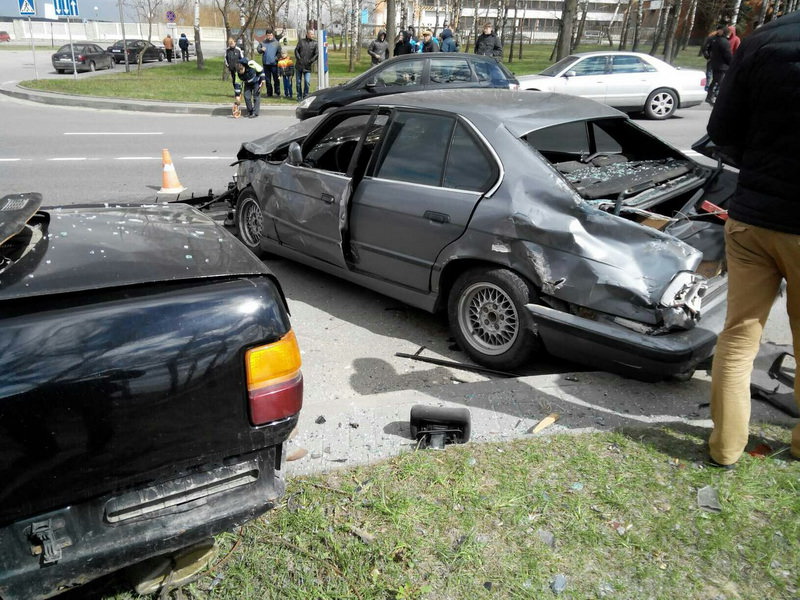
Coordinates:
x,y
169,178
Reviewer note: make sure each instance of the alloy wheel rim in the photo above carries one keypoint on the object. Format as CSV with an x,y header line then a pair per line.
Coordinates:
x,y
252,222
488,318
662,104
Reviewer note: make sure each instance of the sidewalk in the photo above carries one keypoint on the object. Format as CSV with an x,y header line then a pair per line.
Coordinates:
x,y
186,108
358,430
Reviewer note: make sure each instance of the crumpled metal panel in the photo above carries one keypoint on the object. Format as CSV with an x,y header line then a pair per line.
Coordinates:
x,y
263,146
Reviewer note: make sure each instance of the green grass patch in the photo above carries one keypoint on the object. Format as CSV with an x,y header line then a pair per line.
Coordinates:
x,y
184,82
615,513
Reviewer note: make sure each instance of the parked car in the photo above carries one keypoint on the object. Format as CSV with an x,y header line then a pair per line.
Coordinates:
x,y
4,36
150,378
136,47
412,73
629,81
548,222
88,57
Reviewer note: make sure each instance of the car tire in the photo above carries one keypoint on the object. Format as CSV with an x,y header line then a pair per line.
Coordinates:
x,y
60,71
488,319
161,57
661,104
111,64
250,222
92,66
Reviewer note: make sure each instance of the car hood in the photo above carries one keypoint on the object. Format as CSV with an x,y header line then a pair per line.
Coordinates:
x,y
269,143
91,247
727,154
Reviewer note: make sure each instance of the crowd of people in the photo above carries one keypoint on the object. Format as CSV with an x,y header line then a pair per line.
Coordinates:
x,y
276,69
407,42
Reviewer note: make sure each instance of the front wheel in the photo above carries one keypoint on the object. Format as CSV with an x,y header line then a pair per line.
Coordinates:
x,y
661,104
488,319
250,222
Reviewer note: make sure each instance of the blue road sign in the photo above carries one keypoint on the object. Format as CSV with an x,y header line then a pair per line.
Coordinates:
x,y
66,8
171,16
27,8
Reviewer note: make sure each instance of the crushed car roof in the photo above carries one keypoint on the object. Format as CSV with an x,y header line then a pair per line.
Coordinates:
x,y
519,111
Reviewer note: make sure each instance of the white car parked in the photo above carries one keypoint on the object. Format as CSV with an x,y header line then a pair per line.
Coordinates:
x,y
629,81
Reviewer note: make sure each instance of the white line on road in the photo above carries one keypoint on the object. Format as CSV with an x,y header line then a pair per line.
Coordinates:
x,y
9,159
68,158
138,158
113,133
208,158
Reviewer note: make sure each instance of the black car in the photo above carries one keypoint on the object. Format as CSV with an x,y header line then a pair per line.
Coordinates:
x,y
149,378
412,73
534,221
149,51
88,57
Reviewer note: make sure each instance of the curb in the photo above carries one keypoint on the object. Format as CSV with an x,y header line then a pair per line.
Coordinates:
x,y
54,98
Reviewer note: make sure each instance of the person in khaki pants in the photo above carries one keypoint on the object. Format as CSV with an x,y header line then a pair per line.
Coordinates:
x,y
757,116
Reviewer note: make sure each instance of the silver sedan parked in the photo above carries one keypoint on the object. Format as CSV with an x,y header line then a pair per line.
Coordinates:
x,y
629,81
535,222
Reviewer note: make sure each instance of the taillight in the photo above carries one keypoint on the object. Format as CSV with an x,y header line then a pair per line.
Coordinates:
x,y
274,380
703,82
79,58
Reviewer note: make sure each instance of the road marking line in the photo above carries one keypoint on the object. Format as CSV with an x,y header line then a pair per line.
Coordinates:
x,y
138,158
208,158
68,158
9,159
114,133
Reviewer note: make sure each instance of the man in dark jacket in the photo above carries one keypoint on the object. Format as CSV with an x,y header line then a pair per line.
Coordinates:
x,y
270,51
252,76
719,59
183,44
233,54
448,41
305,55
379,49
402,44
757,115
487,43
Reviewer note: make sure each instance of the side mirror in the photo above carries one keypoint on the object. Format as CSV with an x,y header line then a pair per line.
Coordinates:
x,y
295,154
569,74
371,83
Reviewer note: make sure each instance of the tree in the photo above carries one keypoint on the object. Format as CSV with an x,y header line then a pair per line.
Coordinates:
x,y
148,11
637,26
567,24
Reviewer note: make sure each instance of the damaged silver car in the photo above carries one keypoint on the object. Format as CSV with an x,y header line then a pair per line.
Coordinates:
x,y
536,223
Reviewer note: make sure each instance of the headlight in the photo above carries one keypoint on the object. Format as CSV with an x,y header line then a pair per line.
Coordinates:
x,y
686,289
307,102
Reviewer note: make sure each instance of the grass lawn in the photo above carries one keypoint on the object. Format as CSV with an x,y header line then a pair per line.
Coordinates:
x,y
183,82
615,514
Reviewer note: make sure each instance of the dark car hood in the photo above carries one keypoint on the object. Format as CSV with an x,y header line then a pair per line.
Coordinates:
x,y
91,247
268,143
727,154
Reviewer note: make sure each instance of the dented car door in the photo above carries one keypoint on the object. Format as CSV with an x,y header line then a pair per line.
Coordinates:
x,y
309,200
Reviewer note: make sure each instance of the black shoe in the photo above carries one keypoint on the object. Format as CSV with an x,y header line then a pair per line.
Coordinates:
x,y
712,463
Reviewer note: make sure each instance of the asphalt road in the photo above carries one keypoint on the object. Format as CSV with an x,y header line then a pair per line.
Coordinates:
x,y
349,336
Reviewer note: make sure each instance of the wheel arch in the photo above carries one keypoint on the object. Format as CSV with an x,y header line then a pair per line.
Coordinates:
x,y
453,269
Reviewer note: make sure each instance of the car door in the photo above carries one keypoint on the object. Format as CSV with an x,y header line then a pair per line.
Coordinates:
x,y
308,203
418,195
630,81
589,79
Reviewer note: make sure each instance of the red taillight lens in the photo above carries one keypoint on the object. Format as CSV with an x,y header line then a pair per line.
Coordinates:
x,y
703,82
79,58
274,380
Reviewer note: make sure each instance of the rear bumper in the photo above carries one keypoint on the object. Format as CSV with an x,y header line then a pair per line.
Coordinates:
x,y
106,534
620,350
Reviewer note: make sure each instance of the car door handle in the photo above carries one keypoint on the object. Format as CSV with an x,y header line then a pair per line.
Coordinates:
x,y
327,198
436,217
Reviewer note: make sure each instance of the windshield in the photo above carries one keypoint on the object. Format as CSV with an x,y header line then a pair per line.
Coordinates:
x,y
555,69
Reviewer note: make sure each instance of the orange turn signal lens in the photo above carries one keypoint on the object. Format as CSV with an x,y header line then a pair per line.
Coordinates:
x,y
273,363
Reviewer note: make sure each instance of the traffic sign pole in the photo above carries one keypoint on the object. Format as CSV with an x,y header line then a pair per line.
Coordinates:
x,y
33,50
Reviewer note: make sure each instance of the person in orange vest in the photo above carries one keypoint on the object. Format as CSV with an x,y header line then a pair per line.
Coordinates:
x,y
286,71
169,46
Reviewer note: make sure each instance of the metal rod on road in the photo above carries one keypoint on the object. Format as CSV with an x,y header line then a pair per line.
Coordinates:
x,y
33,49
